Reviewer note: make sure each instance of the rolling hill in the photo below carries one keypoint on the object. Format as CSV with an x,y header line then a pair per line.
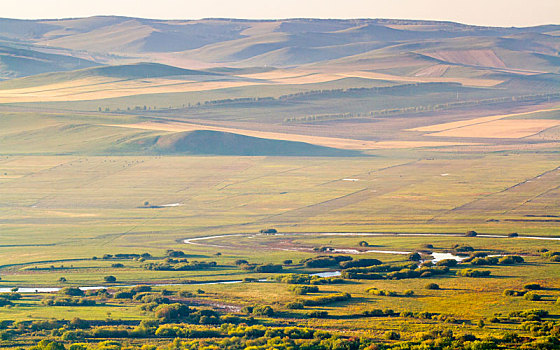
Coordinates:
x,y
365,80
210,142
233,42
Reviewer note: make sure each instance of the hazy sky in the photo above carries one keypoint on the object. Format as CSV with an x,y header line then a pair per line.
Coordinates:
x,y
480,12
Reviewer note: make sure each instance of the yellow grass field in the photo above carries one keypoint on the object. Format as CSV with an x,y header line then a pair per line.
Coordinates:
x,y
501,129
423,79
95,89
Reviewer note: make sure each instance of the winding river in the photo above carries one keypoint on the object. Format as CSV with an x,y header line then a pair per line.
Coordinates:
x,y
197,241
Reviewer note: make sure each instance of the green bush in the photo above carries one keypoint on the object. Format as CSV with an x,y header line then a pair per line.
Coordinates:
x,y
263,310
110,279
531,296
123,295
513,293
303,290
325,261
392,335
295,305
374,313
78,323
414,257
268,268
447,262
78,346
510,260
380,292
73,335
319,314
72,291
359,263
432,286
140,289
172,312
324,300
473,273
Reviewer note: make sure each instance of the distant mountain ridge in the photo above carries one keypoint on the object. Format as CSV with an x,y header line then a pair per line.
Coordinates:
x,y
29,47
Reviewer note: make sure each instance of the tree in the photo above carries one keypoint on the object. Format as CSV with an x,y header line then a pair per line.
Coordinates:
x,y
172,312
110,279
392,335
432,286
471,234
72,291
62,279
414,257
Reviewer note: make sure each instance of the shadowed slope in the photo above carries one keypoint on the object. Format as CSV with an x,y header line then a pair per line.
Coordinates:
x,y
225,143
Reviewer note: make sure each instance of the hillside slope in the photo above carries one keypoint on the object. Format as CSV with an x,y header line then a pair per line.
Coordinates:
x,y
212,142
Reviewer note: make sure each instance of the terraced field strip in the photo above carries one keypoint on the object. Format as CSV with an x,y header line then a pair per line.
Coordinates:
x,y
502,129
81,91
475,121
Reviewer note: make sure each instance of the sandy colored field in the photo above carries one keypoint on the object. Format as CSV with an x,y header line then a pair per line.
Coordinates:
x,y
423,79
501,129
481,120
342,143
294,76
425,75
110,89
95,88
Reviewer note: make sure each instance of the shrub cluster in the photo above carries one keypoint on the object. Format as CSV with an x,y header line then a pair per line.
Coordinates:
x,y
306,279
303,289
473,273
390,293
325,300
67,301
325,261
126,256
552,256
359,263
180,265
394,272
